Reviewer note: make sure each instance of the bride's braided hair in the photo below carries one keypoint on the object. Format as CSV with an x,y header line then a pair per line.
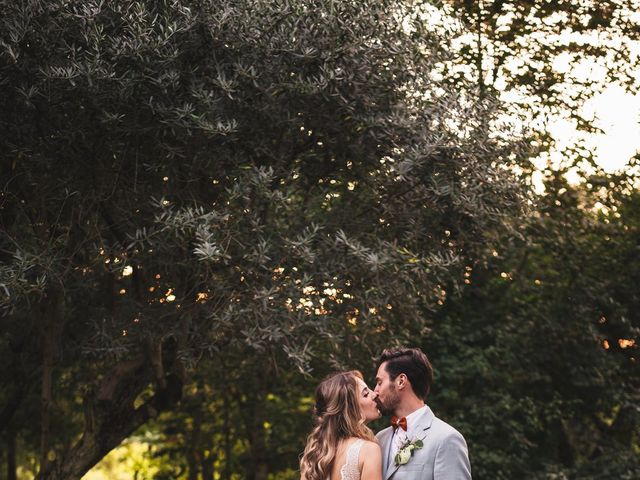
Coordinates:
x,y
337,417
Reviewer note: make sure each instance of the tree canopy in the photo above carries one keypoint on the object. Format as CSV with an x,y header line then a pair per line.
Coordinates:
x,y
189,182
208,205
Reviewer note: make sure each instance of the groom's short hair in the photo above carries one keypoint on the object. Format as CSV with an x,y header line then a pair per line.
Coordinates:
x,y
413,363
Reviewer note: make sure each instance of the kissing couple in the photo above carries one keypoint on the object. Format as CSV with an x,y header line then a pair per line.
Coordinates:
x,y
417,445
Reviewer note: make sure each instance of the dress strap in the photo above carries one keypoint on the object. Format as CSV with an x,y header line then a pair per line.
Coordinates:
x,y
350,470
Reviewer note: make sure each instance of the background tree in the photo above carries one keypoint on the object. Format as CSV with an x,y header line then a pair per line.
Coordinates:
x,y
538,357
546,60
531,326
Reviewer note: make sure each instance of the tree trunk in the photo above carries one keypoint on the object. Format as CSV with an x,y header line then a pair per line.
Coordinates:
x,y
46,403
110,414
53,320
624,426
11,455
207,466
259,467
480,57
226,427
23,381
10,408
193,448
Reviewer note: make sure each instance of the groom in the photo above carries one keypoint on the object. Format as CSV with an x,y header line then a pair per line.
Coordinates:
x,y
418,445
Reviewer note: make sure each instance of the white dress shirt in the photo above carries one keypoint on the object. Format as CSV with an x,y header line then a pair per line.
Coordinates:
x,y
400,436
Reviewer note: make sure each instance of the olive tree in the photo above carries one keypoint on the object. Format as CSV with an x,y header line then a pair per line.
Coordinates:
x,y
186,181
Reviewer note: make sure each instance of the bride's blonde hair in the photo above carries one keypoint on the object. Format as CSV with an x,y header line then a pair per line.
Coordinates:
x,y
337,416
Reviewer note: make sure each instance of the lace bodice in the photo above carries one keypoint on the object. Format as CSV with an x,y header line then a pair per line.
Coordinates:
x,y
350,470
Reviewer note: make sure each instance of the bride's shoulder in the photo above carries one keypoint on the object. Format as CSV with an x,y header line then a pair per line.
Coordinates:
x,y
370,461
366,446
370,447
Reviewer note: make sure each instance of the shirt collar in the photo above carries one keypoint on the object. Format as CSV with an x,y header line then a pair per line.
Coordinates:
x,y
413,417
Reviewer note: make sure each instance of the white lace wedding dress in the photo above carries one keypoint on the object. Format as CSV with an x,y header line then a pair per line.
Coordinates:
x,y
350,470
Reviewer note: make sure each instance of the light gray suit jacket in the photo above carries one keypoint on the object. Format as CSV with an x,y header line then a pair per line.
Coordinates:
x,y
444,455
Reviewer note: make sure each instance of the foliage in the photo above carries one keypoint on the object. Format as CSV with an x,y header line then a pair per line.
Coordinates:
x,y
233,198
547,59
531,46
538,358
280,181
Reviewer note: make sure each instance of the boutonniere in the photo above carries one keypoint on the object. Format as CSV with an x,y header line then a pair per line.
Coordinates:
x,y
406,451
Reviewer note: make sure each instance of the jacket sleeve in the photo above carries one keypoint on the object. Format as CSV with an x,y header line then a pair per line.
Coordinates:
x,y
452,459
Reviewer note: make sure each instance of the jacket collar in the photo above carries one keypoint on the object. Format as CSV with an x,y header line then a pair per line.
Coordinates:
x,y
422,423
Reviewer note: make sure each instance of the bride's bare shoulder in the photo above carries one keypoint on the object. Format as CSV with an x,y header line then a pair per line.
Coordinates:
x,y
370,461
370,447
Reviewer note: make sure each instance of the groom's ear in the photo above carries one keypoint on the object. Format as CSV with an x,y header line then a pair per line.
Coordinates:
x,y
402,380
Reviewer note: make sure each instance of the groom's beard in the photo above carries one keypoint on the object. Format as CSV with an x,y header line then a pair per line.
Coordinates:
x,y
389,406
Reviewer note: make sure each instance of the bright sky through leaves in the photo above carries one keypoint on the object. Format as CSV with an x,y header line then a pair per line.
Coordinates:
x,y
618,114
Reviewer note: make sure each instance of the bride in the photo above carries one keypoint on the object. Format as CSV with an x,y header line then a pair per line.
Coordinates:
x,y
341,446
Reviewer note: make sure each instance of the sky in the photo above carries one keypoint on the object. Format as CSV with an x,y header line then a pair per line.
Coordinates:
x,y
618,114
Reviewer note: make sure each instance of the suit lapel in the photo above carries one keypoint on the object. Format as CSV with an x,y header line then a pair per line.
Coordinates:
x,y
422,426
389,466
391,469
385,446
